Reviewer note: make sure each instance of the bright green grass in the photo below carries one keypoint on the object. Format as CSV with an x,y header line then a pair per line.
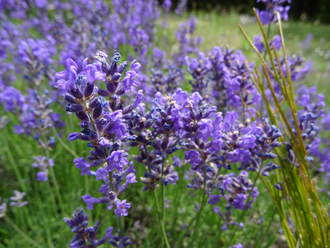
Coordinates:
x,y
41,219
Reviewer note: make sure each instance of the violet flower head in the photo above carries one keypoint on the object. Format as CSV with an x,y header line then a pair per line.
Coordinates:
x,y
117,160
307,42
119,241
277,42
131,81
122,207
257,41
110,191
85,236
13,100
181,8
16,200
42,163
67,78
167,5
268,15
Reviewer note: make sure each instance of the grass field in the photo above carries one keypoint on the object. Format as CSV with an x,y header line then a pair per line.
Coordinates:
x,y
41,219
222,30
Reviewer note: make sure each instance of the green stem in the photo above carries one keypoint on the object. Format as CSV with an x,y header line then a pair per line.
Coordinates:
x,y
53,200
191,222
23,224
265,54
159,213
176,212
46,219
52,174
161,222
195,233
120,226
268,33
162,187
14,164
64,145
20,232
187,229
267,229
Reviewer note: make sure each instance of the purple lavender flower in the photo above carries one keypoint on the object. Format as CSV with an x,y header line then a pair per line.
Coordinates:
x,y
268,15
42,163
258,43
276,41
120,241
67,78
122,207
307,42
111,192
167,5
16,200
103,123
117,160
85,236
182,6
14,101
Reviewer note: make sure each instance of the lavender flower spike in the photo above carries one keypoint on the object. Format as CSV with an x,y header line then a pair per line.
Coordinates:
x,y
17,199
85,236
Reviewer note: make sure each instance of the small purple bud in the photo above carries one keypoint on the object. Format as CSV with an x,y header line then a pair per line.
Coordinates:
x,y
69,98
95,103
82,116
88,90
97,112
122,67
100,152
73,136
111,88
77,93
116,77
103,93
76,108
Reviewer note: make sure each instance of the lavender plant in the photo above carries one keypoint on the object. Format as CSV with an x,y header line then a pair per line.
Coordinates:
x,y
240,123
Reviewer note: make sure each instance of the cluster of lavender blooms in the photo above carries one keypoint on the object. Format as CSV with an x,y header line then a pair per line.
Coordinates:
x,y
86,236
103,122
172,122
33,59
268,15
36,118
212,126
314,121
222,78
245,146
166,74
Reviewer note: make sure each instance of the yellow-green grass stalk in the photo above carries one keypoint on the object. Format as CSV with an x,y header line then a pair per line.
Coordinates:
x,y
298,198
